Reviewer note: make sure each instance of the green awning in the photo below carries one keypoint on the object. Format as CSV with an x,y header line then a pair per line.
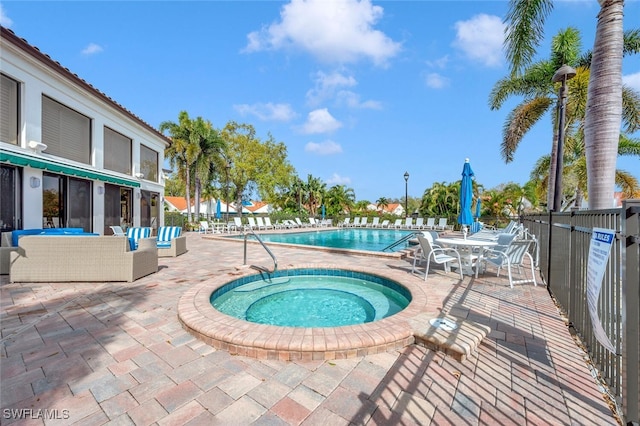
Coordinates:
x,y
52,166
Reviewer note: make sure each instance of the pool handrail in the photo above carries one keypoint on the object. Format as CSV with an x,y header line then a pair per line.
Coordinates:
x,y
402,240
250,231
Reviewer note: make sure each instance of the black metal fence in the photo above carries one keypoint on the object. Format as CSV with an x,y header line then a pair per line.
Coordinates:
x,y
564,240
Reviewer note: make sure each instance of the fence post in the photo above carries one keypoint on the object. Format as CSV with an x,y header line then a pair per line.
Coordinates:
x,y
631,312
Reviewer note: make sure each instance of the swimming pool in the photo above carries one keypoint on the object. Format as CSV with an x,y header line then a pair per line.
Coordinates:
x,y
349,239
311,298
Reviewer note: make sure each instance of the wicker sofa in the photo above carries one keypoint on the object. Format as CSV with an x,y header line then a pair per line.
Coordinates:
x,y
45,258
5,249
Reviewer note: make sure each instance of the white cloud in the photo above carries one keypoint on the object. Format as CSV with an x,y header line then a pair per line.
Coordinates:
x,y
336,179
480,39
436,81
339,31
5,21
268,111
326,86
632,80
320,121
327,147
352,100
440,63
92,49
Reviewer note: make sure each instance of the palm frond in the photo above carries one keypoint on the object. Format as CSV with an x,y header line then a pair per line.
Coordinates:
x,y
524,31
519,122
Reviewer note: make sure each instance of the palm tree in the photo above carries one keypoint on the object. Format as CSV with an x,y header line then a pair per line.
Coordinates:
x,y
182,151
339,199
525,30
209,153
382,203
536,86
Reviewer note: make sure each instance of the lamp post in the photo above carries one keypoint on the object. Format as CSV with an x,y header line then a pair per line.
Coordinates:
x,y
226,194
406,193
563,74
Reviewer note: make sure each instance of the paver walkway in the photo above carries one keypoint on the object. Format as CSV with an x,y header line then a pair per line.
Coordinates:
x,y
115,353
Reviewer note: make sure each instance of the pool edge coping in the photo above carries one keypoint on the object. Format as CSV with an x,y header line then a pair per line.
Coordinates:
x,y
261,341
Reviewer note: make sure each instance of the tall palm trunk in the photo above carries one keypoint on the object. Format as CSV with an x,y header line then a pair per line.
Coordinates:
x,y
604,105
188,192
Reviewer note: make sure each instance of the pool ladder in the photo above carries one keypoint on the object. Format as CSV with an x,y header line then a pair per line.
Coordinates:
x,y
275,261
402,240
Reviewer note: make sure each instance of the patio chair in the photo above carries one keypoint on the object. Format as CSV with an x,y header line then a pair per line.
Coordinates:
x,y
431,223
204,227
252,223
363,222
442,224
135,234
511,255
419,223
237,221
266,222
260,223
117,231
397,224
430,253
356,222
408,222
375,223
384,224
345,223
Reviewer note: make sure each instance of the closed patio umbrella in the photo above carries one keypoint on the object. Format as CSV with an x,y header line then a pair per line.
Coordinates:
x,y
466,195
218,209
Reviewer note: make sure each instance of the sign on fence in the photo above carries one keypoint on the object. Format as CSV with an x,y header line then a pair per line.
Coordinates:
x,y
599,249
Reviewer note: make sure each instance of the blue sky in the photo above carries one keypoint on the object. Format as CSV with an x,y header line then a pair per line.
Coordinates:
x,y
359,91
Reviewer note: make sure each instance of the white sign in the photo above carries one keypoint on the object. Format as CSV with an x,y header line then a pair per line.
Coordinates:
x,y
599,249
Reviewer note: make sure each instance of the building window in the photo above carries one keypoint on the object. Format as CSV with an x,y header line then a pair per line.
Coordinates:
x,y
117,152
10,198
117,207
149,163
9,107
149,209
66,202
66,132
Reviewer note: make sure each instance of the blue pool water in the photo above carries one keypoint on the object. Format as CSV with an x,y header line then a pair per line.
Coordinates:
x,y
352,239
311,298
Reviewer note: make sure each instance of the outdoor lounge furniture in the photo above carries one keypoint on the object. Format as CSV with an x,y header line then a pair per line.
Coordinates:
x,y
55,258
9,241
204,227
430,253
117,230
135,234
170,241
509,256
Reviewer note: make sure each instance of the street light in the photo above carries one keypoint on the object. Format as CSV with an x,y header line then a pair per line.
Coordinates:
x,y
406,193
563,74
226,195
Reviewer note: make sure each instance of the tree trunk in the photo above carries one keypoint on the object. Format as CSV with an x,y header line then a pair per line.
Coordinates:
x,y
604,105
188,194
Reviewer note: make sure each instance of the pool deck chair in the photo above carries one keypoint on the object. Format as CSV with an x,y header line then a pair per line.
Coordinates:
x,y
510,256
117,231
237,221
204,227
431,253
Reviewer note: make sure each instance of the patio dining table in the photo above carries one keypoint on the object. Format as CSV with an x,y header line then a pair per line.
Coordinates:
x,y
466,247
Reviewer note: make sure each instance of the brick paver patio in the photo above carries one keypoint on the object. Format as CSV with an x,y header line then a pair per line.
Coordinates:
x,y
115,353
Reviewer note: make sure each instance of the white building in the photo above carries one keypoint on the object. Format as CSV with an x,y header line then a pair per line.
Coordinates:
x,y
69,155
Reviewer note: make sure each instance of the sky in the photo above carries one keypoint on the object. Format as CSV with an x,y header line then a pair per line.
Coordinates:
x,y
360,92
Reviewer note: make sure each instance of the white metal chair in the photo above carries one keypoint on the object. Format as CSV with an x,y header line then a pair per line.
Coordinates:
x,y
204,227
430,253
510,255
